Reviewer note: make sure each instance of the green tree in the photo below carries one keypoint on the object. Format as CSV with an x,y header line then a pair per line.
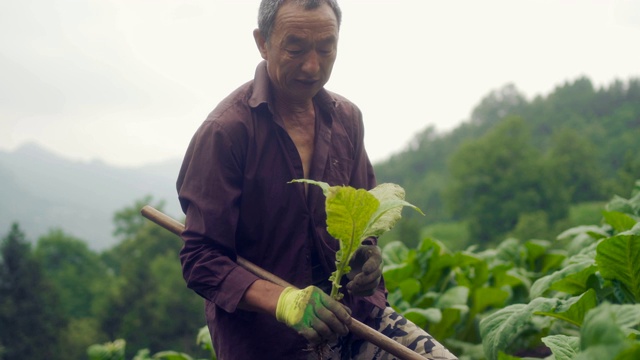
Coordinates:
x,y
79,277
574,160
155,309
76,270
30,314
629,172
128,221
498,104
606,119
500,176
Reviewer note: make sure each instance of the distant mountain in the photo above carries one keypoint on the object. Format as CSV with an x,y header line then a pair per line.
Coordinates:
x,y
41,191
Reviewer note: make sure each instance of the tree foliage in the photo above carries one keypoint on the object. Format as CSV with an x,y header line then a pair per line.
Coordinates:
x,y
30,313
145,285
73,268
65,297
499,177
584,140
79,275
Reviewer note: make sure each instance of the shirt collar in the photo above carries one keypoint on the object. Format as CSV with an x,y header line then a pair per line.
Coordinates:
x,y
262,91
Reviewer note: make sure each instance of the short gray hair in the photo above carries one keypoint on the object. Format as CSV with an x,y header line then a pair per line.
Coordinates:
x,y
269,9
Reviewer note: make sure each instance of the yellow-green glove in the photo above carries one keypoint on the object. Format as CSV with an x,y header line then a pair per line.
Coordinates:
x,y
313,314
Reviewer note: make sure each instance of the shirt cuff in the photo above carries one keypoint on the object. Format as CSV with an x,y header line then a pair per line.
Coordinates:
x,y
233,288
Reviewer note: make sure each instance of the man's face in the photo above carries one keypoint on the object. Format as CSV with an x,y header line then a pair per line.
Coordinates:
x,y
301,50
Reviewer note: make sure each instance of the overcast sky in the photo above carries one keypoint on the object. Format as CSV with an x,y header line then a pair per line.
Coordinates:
x,y
129,81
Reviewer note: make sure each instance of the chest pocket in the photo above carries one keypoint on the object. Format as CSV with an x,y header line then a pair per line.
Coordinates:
x,y
340,161
339,170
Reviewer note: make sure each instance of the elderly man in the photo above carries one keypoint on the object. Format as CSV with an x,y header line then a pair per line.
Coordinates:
x,y
234,189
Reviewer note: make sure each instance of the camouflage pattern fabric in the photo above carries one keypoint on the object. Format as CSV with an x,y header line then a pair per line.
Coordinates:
x,y
395,326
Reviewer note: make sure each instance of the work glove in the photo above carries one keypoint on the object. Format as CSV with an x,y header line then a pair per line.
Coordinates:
x,y
313,314
366,270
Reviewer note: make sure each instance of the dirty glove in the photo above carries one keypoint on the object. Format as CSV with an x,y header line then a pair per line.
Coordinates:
x,y
313,314
366,270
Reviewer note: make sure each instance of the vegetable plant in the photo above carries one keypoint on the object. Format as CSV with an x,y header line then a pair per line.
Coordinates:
x,y
590,309
116,350
354,215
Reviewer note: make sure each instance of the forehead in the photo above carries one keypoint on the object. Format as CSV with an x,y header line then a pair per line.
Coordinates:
x,y
294,21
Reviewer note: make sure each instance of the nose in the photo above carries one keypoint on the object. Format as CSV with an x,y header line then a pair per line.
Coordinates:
x,y
311,64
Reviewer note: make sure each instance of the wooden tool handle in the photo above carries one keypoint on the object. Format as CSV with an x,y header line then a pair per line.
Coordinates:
x,y
356,327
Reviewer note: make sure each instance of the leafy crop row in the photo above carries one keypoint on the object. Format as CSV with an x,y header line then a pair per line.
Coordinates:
x,y
578,298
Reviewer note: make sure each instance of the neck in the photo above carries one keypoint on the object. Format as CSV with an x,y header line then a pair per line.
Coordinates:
x,y
293,107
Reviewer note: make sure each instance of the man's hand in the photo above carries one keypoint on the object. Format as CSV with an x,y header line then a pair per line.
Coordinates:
x,y
366,270
313,314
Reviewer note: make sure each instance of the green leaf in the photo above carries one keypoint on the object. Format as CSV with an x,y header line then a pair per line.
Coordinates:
x,y
446,328
627,317
542,285
397,273
500,329
171,355
405,268
434,264
573,310
488,296
108,351
323,185
204,340
631,353
600,327
576,283
463,259
628,206
583,229
607,332
551,261
391,200
618,258
409,288
348,214
423,317
355,214
563,347
395,252
635,230
509,251
536,248
619,221
458,295
474,275
507,275
144,354
395,300
601,351
503,356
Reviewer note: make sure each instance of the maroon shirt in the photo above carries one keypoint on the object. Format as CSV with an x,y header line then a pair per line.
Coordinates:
x,y
233,187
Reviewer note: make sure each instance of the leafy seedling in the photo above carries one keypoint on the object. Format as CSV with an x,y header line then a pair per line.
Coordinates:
x,y
356,214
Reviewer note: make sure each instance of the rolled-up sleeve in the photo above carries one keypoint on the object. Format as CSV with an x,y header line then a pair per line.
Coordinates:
x,y
209,189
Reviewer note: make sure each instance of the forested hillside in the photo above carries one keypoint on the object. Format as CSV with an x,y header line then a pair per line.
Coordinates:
x,y
517,162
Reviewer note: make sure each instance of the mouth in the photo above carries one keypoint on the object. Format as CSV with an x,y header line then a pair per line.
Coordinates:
x,y
308,82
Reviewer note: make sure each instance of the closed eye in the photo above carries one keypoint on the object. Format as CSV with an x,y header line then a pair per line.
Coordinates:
x,y
294,52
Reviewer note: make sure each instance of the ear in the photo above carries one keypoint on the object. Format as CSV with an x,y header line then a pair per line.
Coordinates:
x,y
261,43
